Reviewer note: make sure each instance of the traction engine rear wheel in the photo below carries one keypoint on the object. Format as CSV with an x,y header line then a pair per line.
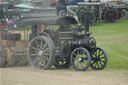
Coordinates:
x,y
110,16
98,59
80,59
41,52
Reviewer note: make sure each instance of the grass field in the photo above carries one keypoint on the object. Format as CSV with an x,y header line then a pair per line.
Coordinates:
x,y
113,37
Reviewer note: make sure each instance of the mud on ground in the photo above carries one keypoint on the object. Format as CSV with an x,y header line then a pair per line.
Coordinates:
x,y
32,76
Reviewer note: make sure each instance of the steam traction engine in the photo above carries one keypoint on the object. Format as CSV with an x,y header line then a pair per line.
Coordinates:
x,y
65,46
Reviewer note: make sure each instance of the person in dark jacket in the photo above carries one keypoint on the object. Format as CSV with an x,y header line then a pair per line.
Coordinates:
x,y
11,4
61,5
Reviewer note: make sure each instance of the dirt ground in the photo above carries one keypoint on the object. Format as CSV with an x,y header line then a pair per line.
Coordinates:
x,y
32,76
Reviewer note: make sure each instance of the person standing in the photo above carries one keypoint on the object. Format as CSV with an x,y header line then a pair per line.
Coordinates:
x,y
61,5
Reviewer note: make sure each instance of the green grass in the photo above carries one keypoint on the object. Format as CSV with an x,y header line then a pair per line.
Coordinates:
x,y
113,37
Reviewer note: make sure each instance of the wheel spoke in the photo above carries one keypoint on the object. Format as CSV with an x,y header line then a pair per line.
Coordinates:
x,y
44,57
100,63
37,44
33,54
41,44
102,57
95,53
47,49
45,45
36,60
46,54
97,64
34,48
100,54
47,58
93,62
43,61
36,51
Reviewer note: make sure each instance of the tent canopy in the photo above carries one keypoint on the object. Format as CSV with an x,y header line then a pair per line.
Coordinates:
x,y
23,6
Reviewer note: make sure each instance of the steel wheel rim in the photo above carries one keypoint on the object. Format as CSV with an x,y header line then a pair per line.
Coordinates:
x,y
110,16
80,59
39,53
99,59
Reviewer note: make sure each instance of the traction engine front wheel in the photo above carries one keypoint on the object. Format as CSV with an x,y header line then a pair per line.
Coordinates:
x,y
98,59
80,59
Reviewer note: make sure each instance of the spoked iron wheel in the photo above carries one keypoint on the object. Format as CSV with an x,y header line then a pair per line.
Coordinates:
x,y
110,16
80,59
62,63
41,53
98,59
91,18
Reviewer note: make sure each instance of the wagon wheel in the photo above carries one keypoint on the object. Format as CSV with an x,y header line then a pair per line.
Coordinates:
x,y
110,16
80,59
41,53
99,59
88,15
